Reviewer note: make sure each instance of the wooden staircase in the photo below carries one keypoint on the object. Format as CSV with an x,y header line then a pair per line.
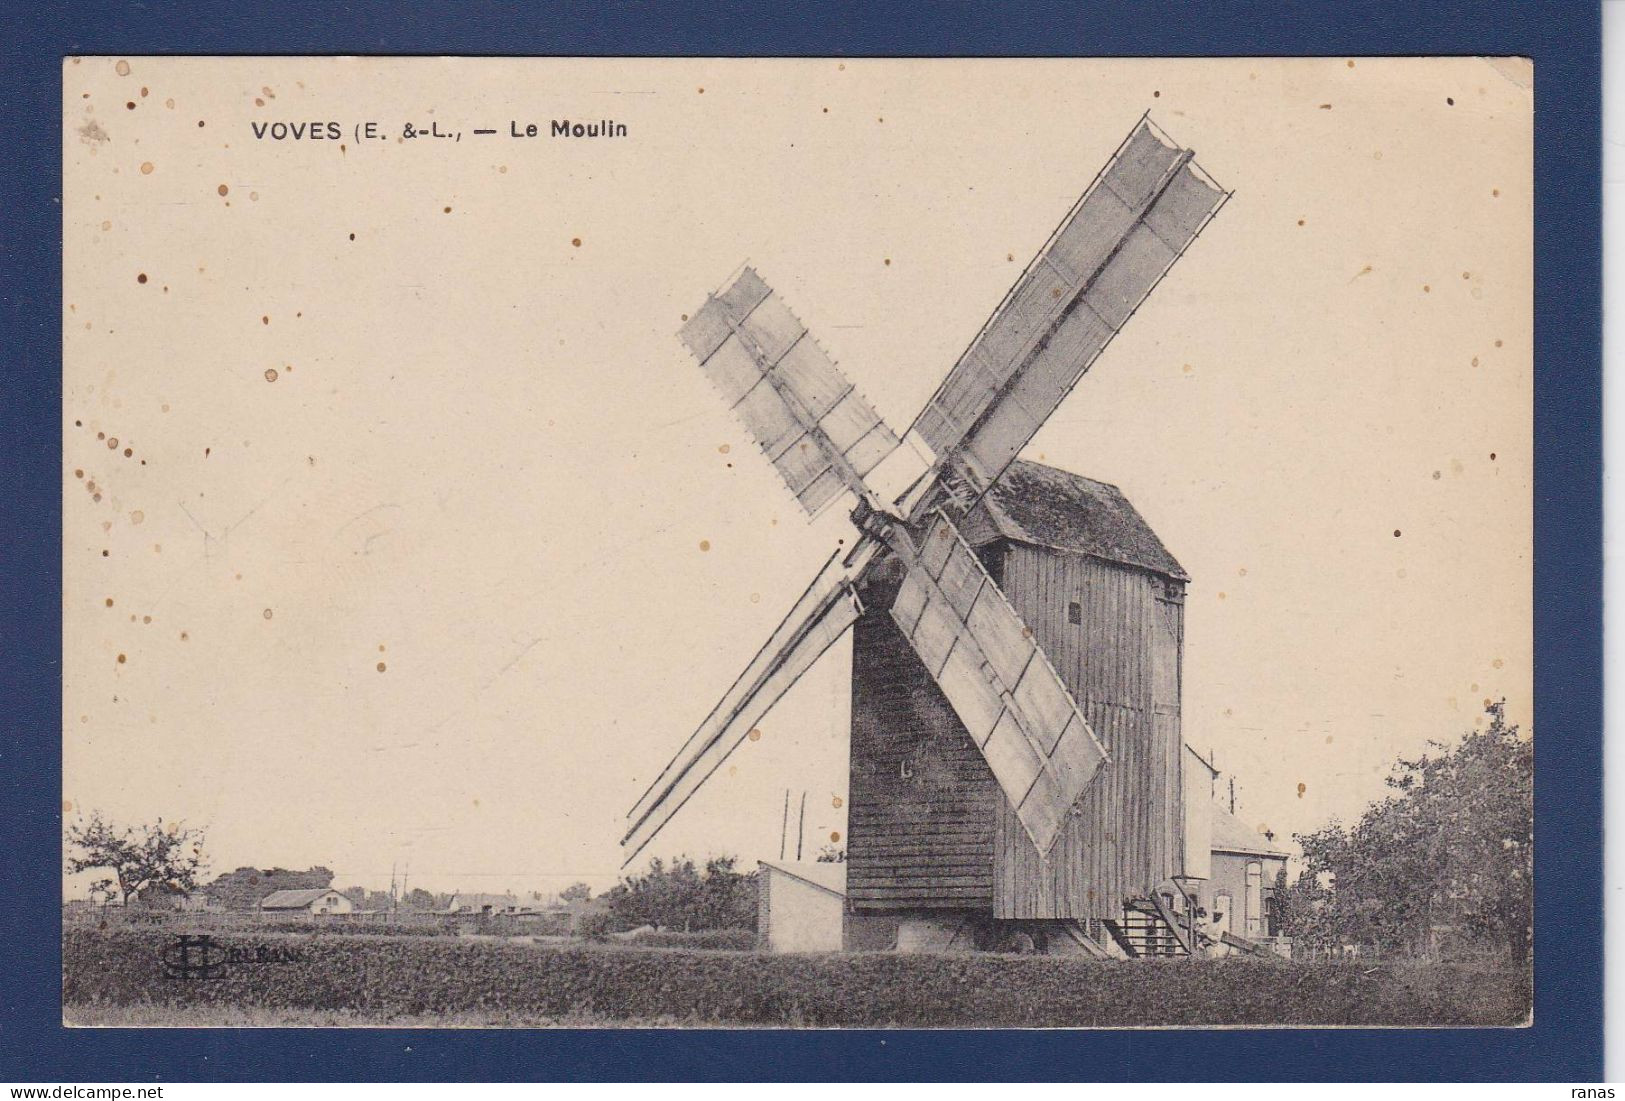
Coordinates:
x,y
1143,933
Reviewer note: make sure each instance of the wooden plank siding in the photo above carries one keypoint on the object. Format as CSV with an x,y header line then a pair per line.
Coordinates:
x,y
921,798
1125,835
928,827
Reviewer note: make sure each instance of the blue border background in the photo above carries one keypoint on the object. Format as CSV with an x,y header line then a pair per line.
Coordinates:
x,y
1565,1043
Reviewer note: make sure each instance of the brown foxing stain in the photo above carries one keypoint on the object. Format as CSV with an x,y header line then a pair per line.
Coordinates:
x,y
755,598
888,261
170,103
91,133
756,734
1242,572
258,102
1301,790
447,210
108,602
575,242
723,449
1396,533
1496,663
185,636
270,374
835,801
1437,475
1426,289
122,68
1497,343
146,168
267,613
137,516
1222,596
222,191
1363,271
381,667
1351,65
129,106
705,544
67,806
1325,107
1300,221
834,835
122,659
265,319
141,277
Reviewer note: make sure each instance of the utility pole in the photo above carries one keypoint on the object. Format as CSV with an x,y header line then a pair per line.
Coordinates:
x,y
1232,795
801,826
784,828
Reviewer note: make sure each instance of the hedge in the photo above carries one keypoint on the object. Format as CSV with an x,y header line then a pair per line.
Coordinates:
x,y
723,940
381,978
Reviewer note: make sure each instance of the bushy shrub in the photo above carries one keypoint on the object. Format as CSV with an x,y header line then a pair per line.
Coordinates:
x,y
380,978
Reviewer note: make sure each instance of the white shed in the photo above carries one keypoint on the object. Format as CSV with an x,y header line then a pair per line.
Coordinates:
x,y
800,906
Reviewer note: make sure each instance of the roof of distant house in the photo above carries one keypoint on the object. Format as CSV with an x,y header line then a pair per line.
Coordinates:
x,y
1232,835
294,899
827,875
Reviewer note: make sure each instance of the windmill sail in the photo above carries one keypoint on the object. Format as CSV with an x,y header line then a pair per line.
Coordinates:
x,y
817,620
1001,685
812,424
1140,214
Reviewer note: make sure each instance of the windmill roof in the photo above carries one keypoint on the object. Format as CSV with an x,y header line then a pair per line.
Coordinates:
x,y
292,899
1232,835
1038,504
826,874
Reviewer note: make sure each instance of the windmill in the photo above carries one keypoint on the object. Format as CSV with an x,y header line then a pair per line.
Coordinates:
x,y
980,786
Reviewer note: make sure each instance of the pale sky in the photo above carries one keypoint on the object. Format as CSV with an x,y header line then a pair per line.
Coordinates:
x,y
487,466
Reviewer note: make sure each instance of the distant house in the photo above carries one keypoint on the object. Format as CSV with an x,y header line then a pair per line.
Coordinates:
x,y
486,905
801,907
310,901
1239,893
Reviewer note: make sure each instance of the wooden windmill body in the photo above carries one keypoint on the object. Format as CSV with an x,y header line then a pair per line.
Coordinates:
x,y
929,830
1016,751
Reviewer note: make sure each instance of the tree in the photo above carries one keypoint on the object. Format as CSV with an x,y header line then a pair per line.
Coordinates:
x,y
680,895
575,892
138,857
244,888
1451,852
831,854
418,899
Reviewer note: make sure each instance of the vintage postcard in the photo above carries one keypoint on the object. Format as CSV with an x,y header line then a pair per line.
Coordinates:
x,y
816,543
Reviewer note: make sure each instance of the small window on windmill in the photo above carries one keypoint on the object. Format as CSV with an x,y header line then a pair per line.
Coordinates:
x,y
1074,613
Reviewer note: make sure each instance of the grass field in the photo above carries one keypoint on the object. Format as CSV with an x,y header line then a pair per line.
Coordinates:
x,y
117,978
